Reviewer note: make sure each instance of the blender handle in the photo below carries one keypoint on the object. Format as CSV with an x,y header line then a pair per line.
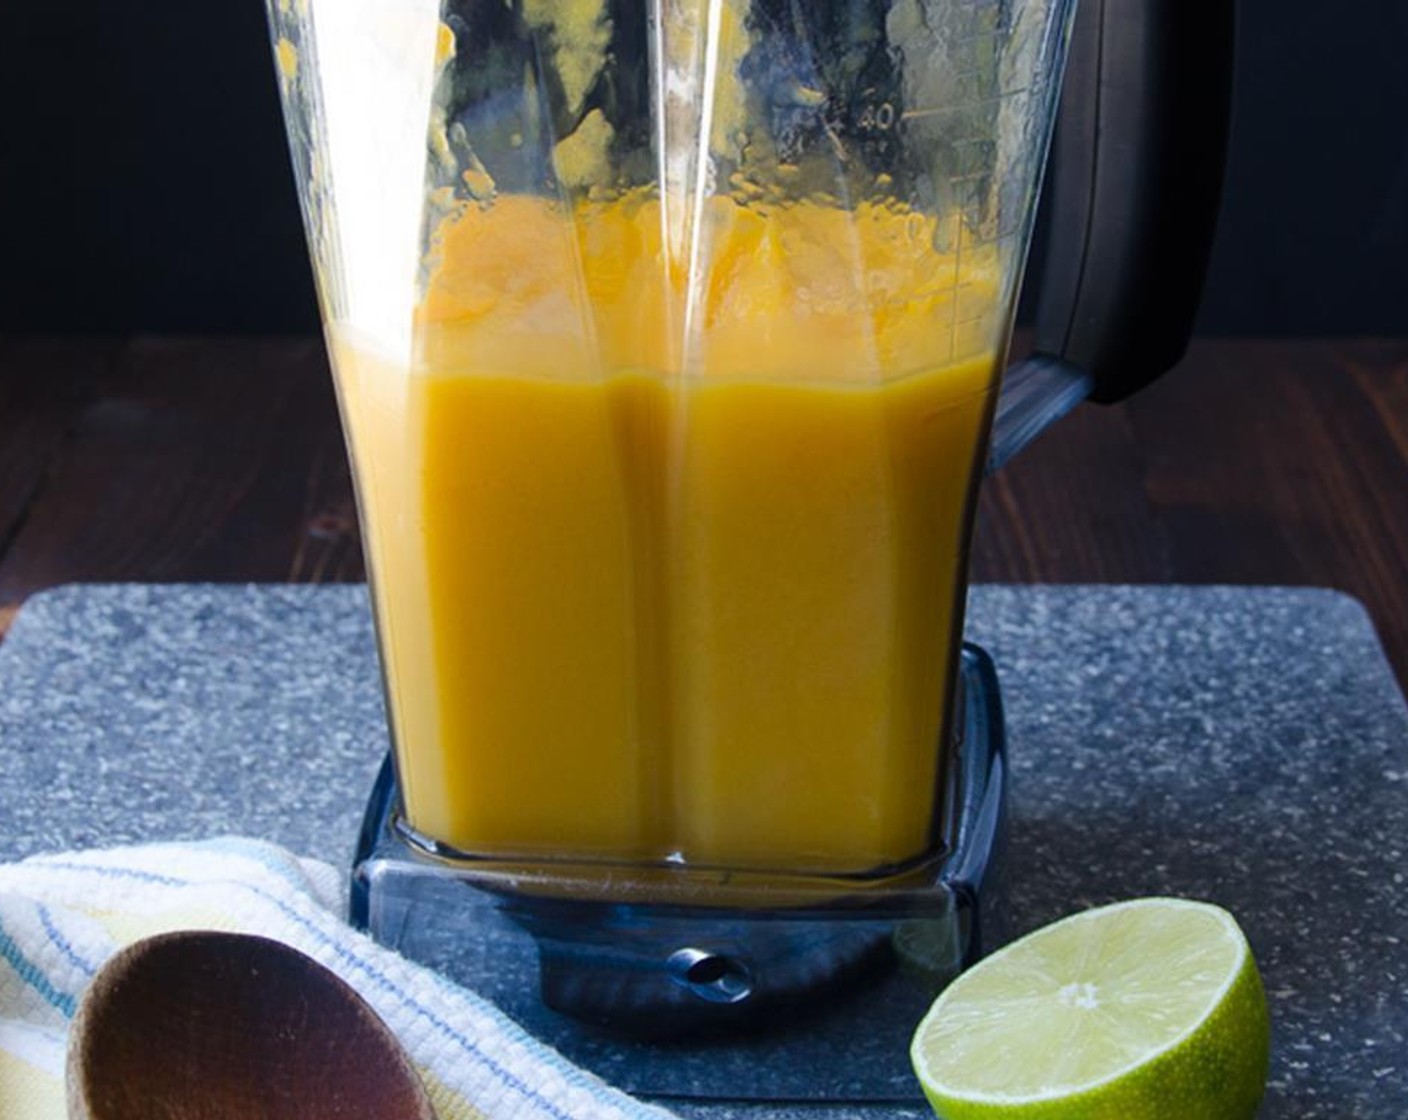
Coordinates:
x,y
1134,185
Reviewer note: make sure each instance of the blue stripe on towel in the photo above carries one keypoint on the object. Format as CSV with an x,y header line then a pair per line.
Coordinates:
x,y
506,1077
57,937
268,856
31,974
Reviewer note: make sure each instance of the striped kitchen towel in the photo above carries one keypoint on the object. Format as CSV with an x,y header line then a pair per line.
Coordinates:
x,y
62,915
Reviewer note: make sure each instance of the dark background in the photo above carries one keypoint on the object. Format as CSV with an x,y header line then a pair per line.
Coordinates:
x,y
144,183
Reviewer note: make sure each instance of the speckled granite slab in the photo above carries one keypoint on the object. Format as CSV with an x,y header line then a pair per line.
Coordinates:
x,y
1248,746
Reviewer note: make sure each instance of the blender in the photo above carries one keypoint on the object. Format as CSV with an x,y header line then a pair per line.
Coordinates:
x,y
670,342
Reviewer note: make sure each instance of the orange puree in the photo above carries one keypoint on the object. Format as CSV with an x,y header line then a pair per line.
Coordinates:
x,y
668,570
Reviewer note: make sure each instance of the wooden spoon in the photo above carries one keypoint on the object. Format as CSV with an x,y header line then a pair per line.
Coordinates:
x,y
225,1026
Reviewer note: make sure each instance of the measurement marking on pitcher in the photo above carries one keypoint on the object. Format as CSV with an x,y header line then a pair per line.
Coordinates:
x,y
965,106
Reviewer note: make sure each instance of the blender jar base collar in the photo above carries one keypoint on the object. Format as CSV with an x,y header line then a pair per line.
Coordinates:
x,y
782,987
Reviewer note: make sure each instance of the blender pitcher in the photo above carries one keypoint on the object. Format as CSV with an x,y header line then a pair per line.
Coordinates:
x,y
668,337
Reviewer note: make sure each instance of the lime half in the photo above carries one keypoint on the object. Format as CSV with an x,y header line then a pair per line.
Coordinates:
x,y
1151,1008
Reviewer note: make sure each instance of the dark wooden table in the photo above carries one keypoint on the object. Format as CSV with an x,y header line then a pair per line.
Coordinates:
x,y
176,459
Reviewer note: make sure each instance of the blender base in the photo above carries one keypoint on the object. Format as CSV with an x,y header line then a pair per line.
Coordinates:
x,y
697,983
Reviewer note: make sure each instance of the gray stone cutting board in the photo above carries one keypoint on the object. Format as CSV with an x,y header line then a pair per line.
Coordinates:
x,y
1243,745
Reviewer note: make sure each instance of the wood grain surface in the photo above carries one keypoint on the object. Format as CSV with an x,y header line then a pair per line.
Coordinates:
x,y
220,459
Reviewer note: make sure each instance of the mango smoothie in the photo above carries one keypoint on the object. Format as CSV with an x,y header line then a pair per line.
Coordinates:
x,y
667,525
